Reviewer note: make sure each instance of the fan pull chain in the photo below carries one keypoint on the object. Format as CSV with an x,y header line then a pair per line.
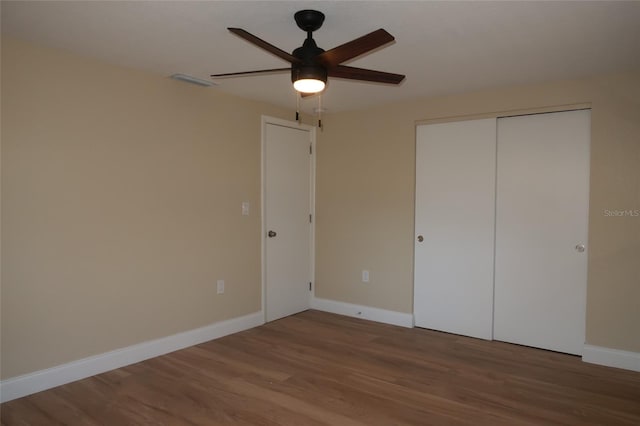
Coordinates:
x,y
298,107
320,111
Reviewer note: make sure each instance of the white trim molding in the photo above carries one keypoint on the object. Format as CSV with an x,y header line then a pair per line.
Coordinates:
x,y
611,357
365,312
17,387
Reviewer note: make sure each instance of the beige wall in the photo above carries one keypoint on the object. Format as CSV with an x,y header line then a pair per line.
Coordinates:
x,y
121,207
121,196
365,197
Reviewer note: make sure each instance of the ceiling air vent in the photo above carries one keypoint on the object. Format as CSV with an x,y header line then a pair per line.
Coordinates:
x,y
193,80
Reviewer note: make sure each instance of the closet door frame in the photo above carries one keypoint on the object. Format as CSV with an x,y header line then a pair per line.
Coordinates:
x,y
495,116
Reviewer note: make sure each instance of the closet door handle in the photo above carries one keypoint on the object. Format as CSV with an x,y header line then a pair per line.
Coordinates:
x,y
420,238
271,234
580,248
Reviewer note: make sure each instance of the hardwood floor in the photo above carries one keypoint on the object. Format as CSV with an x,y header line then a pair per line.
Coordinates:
x,y
316,368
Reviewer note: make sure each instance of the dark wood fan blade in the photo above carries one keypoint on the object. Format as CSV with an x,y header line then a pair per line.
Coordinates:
x,y
352,73
264,45
357,47
238,74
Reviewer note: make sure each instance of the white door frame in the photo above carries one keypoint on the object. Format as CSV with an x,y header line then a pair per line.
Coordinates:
x,y
312,194
498,116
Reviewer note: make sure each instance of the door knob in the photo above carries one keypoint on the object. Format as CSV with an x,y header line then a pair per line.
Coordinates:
x,y
271,234
420,238
580,248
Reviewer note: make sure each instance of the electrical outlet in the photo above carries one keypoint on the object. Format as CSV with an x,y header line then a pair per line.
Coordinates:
x,y
220,286
365,276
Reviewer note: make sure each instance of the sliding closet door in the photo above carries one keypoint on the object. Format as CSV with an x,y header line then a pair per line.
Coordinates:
x,y
455,208
541,230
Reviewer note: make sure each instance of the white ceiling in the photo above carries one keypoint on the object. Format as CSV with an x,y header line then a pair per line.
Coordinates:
x,y
442,47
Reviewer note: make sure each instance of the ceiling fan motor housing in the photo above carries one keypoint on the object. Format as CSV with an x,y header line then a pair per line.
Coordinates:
x,y
308,68
313,72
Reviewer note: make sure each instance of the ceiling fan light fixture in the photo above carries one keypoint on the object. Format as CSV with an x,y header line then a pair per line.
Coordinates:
x,y
309,85
308,79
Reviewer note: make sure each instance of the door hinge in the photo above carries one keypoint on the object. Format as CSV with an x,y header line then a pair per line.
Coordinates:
x,y
310,149
309,285
310,219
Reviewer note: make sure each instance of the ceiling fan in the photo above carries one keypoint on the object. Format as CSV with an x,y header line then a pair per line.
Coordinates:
x,y
311,65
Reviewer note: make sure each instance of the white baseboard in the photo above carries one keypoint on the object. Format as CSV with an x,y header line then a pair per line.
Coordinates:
x,y
366,312
17,387
611,357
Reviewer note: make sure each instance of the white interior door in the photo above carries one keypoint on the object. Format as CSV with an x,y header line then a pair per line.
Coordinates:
x,y
287,201
541,230
455,213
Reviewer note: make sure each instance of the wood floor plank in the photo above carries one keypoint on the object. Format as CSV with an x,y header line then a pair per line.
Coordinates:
x,y
316,368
